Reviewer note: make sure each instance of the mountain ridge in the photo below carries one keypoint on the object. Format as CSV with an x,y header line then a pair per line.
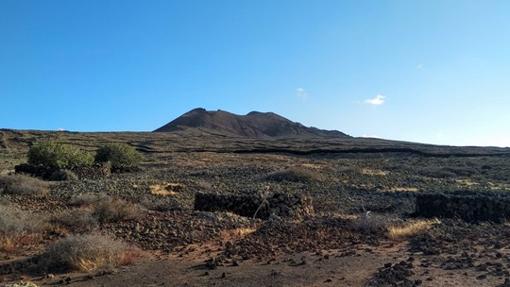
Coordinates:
x,y
254,124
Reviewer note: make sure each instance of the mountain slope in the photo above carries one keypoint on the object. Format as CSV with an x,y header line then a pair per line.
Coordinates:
x,y
252,125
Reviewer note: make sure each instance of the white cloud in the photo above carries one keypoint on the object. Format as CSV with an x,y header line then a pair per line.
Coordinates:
x,y
376,101
419,66
302,94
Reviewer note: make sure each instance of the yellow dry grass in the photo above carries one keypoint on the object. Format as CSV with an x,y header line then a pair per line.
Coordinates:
x,y
373,172
166,189
7,244
126,257
466,182
403,189
498,186
87,265
410,229
236,233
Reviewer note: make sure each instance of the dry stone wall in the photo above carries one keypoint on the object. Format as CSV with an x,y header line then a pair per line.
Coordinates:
x,y
280,204
479,206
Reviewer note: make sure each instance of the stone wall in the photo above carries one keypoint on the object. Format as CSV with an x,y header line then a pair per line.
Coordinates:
x,y
96,171
479,206
35,170
280,204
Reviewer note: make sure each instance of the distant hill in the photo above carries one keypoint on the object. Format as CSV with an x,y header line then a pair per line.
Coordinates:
x,y
252,125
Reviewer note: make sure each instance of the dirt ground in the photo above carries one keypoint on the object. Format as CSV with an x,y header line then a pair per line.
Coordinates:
x,y
332,268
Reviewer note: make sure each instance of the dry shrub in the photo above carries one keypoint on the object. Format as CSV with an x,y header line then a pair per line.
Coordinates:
x,y
114,210
293,175
371,223
23,185
18,229
13,220
96,208
86,253
77,220
87,199
161,203
13,243
396,232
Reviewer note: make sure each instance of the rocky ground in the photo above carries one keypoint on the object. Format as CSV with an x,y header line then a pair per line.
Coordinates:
x,y
359,230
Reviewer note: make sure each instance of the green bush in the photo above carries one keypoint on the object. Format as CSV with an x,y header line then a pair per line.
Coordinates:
x,y
121,156
58,156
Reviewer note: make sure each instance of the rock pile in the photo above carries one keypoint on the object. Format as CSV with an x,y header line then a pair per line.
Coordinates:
x,y
473,207
394,275
279,204
280,236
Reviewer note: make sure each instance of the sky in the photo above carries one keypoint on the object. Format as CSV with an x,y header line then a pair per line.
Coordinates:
x,y
435,71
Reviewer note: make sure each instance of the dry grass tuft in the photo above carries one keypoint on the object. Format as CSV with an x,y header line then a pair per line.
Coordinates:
x,y
166,189
13,243
114,210
23,185
94,209
87,253
76,220
371,223
373,172
410,229
236,234
22,284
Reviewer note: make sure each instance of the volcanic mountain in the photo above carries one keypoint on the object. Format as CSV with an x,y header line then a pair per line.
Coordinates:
x,y
252,125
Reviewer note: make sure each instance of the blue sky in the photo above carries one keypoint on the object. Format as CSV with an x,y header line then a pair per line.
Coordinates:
x,y
427,71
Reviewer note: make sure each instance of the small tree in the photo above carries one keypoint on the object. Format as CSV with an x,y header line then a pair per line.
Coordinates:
x,y
121,156
58,156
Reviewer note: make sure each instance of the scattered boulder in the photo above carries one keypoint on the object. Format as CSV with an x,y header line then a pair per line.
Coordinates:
x,y
279,204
